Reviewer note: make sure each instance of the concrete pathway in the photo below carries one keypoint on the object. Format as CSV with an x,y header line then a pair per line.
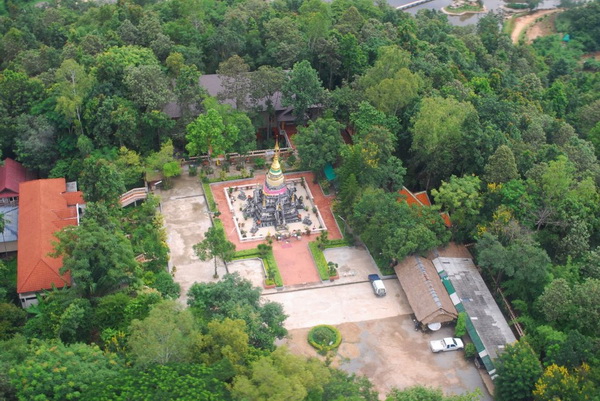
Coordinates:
x,y
186,220
295,262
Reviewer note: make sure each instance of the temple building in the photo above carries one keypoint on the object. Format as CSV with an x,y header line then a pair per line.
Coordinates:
x,y
275,202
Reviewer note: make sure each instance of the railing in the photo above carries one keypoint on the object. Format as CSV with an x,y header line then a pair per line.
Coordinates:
x,y
133,195
412,4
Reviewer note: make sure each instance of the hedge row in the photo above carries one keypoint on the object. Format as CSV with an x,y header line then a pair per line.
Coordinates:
x,y
271,263
320,260
324,347
212,205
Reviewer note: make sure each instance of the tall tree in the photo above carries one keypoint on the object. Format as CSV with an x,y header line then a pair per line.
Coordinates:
x,y
167,335
175,381
101,181
302,90
235,81
264,83
36,143
100,259
75,369
209,134
518,370
319,144
72,85
235,298
437,129
501,166
148,86
215,245
281,376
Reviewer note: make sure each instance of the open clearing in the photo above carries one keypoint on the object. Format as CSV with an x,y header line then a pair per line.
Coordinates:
x,y
528,22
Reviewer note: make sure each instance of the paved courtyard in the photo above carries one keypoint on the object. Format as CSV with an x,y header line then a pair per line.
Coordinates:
x,y
379,340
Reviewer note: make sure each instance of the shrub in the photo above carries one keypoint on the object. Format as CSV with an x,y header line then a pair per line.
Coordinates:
x,y
193,170
461,325
259,162
470,351
324,338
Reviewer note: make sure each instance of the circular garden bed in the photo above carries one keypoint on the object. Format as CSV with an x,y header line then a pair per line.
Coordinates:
x,y
324,337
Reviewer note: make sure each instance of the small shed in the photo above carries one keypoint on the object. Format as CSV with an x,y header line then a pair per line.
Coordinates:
x,y
426,294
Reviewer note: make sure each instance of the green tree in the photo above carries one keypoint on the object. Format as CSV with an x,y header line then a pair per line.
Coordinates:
x,y
556,303
342,386
188,92
501,166
235,81
521,266
390,61
420,393
215,245
111,64
302,90
101,181
148,86
236,298
518,370
173,382
53,371
281,376
209,134
225,340
264,83
438,129
285,43
12,318
35,144
319,144
99,259
72,86
462,199
167,335
393,229
393,94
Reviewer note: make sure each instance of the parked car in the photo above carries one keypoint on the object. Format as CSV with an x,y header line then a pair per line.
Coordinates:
x,y
446,344
377,283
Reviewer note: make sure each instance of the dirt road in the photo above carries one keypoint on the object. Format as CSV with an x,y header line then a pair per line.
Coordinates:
x,y
523,22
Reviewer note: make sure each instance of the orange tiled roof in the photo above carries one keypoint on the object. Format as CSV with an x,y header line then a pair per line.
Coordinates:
x,y
422,199
45,207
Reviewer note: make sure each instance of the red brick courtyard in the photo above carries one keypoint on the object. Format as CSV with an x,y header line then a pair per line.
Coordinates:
x,y
293,257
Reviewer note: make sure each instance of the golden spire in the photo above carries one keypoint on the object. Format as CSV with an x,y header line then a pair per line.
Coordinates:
x,y
275,175
275,165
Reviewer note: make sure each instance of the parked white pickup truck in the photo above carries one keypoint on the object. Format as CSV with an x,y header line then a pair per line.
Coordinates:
x,y
377,283
446,344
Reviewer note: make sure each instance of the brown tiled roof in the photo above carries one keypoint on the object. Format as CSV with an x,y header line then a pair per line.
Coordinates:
x,y
44,208
426,294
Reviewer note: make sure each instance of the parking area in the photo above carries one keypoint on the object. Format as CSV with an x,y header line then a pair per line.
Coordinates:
x,y
339,304
393,355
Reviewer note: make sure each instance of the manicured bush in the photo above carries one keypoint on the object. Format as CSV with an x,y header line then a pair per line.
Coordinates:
x,y
324,337
461,325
